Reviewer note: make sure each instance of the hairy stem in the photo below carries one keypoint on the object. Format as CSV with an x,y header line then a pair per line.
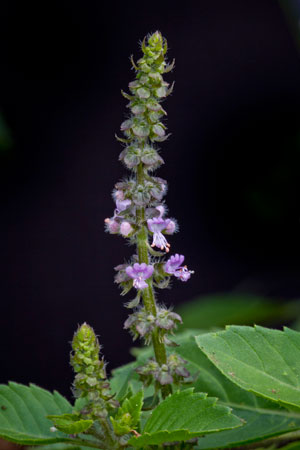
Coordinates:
x,y
148,293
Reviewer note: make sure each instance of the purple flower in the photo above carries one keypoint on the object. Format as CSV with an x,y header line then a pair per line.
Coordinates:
x,y
156,226
173,263
139,273
183,273
174,267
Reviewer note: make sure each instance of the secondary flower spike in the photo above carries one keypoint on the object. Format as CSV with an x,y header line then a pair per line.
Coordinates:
x,y
139,273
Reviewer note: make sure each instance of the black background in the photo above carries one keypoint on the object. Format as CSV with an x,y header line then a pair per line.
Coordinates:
x,y
232,163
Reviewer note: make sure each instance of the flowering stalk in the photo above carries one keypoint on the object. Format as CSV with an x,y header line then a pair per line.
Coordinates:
x,y
140,215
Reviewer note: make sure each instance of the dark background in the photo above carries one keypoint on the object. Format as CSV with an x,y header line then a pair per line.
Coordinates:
x,y
232,163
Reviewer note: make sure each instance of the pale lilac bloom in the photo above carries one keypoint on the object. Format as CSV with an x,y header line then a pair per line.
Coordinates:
x,y
125,228
174,267
118,194
161,210
156,226
139,273
173,263
183,273
171,227
122,205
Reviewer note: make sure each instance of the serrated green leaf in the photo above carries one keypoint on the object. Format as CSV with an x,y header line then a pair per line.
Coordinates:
x,y
264,419
259,360
23,411
70,423
128,415
185,415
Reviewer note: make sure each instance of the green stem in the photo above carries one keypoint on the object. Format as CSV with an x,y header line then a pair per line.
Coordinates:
x,y
106,438
148,293
110,437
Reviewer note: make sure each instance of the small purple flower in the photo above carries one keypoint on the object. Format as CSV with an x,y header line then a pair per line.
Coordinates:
x,y
174,267
156,226
173,263
139,273
183,273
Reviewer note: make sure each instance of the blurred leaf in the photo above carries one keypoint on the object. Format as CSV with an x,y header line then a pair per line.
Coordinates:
x,y
291,446
234,309
6,141
291,8
120,379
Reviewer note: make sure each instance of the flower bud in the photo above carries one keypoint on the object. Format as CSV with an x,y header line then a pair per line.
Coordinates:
x,y
112,226
118,194
125,229
171,227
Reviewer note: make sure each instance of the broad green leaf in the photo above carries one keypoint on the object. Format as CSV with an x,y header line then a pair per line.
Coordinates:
x,y
23,411
237,309
259,360
264,418
70,423
128,415
185,415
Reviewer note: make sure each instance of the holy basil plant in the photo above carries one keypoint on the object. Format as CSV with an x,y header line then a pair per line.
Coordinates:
x,y
233,388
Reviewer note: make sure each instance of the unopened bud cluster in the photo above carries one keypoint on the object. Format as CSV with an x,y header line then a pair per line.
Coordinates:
x,y
140,213
90,381
141,324
173,372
